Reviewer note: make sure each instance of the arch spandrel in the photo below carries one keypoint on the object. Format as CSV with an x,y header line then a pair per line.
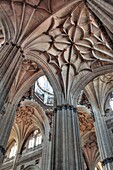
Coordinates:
x,y
26,76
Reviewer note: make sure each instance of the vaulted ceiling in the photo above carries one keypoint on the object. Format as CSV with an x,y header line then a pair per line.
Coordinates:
x,y
71,42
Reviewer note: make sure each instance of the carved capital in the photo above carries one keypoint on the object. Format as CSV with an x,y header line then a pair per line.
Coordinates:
x,y
65,107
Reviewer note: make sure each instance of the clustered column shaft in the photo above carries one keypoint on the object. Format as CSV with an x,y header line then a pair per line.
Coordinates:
x,y
66,147
11,57
104,142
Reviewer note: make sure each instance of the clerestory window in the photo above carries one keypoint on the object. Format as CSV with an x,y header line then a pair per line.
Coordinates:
x,y
35,139
33,142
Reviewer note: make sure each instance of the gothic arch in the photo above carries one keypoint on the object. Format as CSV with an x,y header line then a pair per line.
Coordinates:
x,y
45,129
40,114
88,78
49,71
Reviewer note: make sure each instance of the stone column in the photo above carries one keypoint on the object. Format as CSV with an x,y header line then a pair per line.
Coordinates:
x,y
6,124
10,59
104,142
66,144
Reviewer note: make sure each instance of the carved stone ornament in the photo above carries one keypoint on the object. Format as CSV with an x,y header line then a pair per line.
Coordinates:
x,y
86,122
24,114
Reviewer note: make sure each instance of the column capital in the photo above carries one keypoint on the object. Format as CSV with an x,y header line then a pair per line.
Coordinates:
x,y
17,46
65,107
107,160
